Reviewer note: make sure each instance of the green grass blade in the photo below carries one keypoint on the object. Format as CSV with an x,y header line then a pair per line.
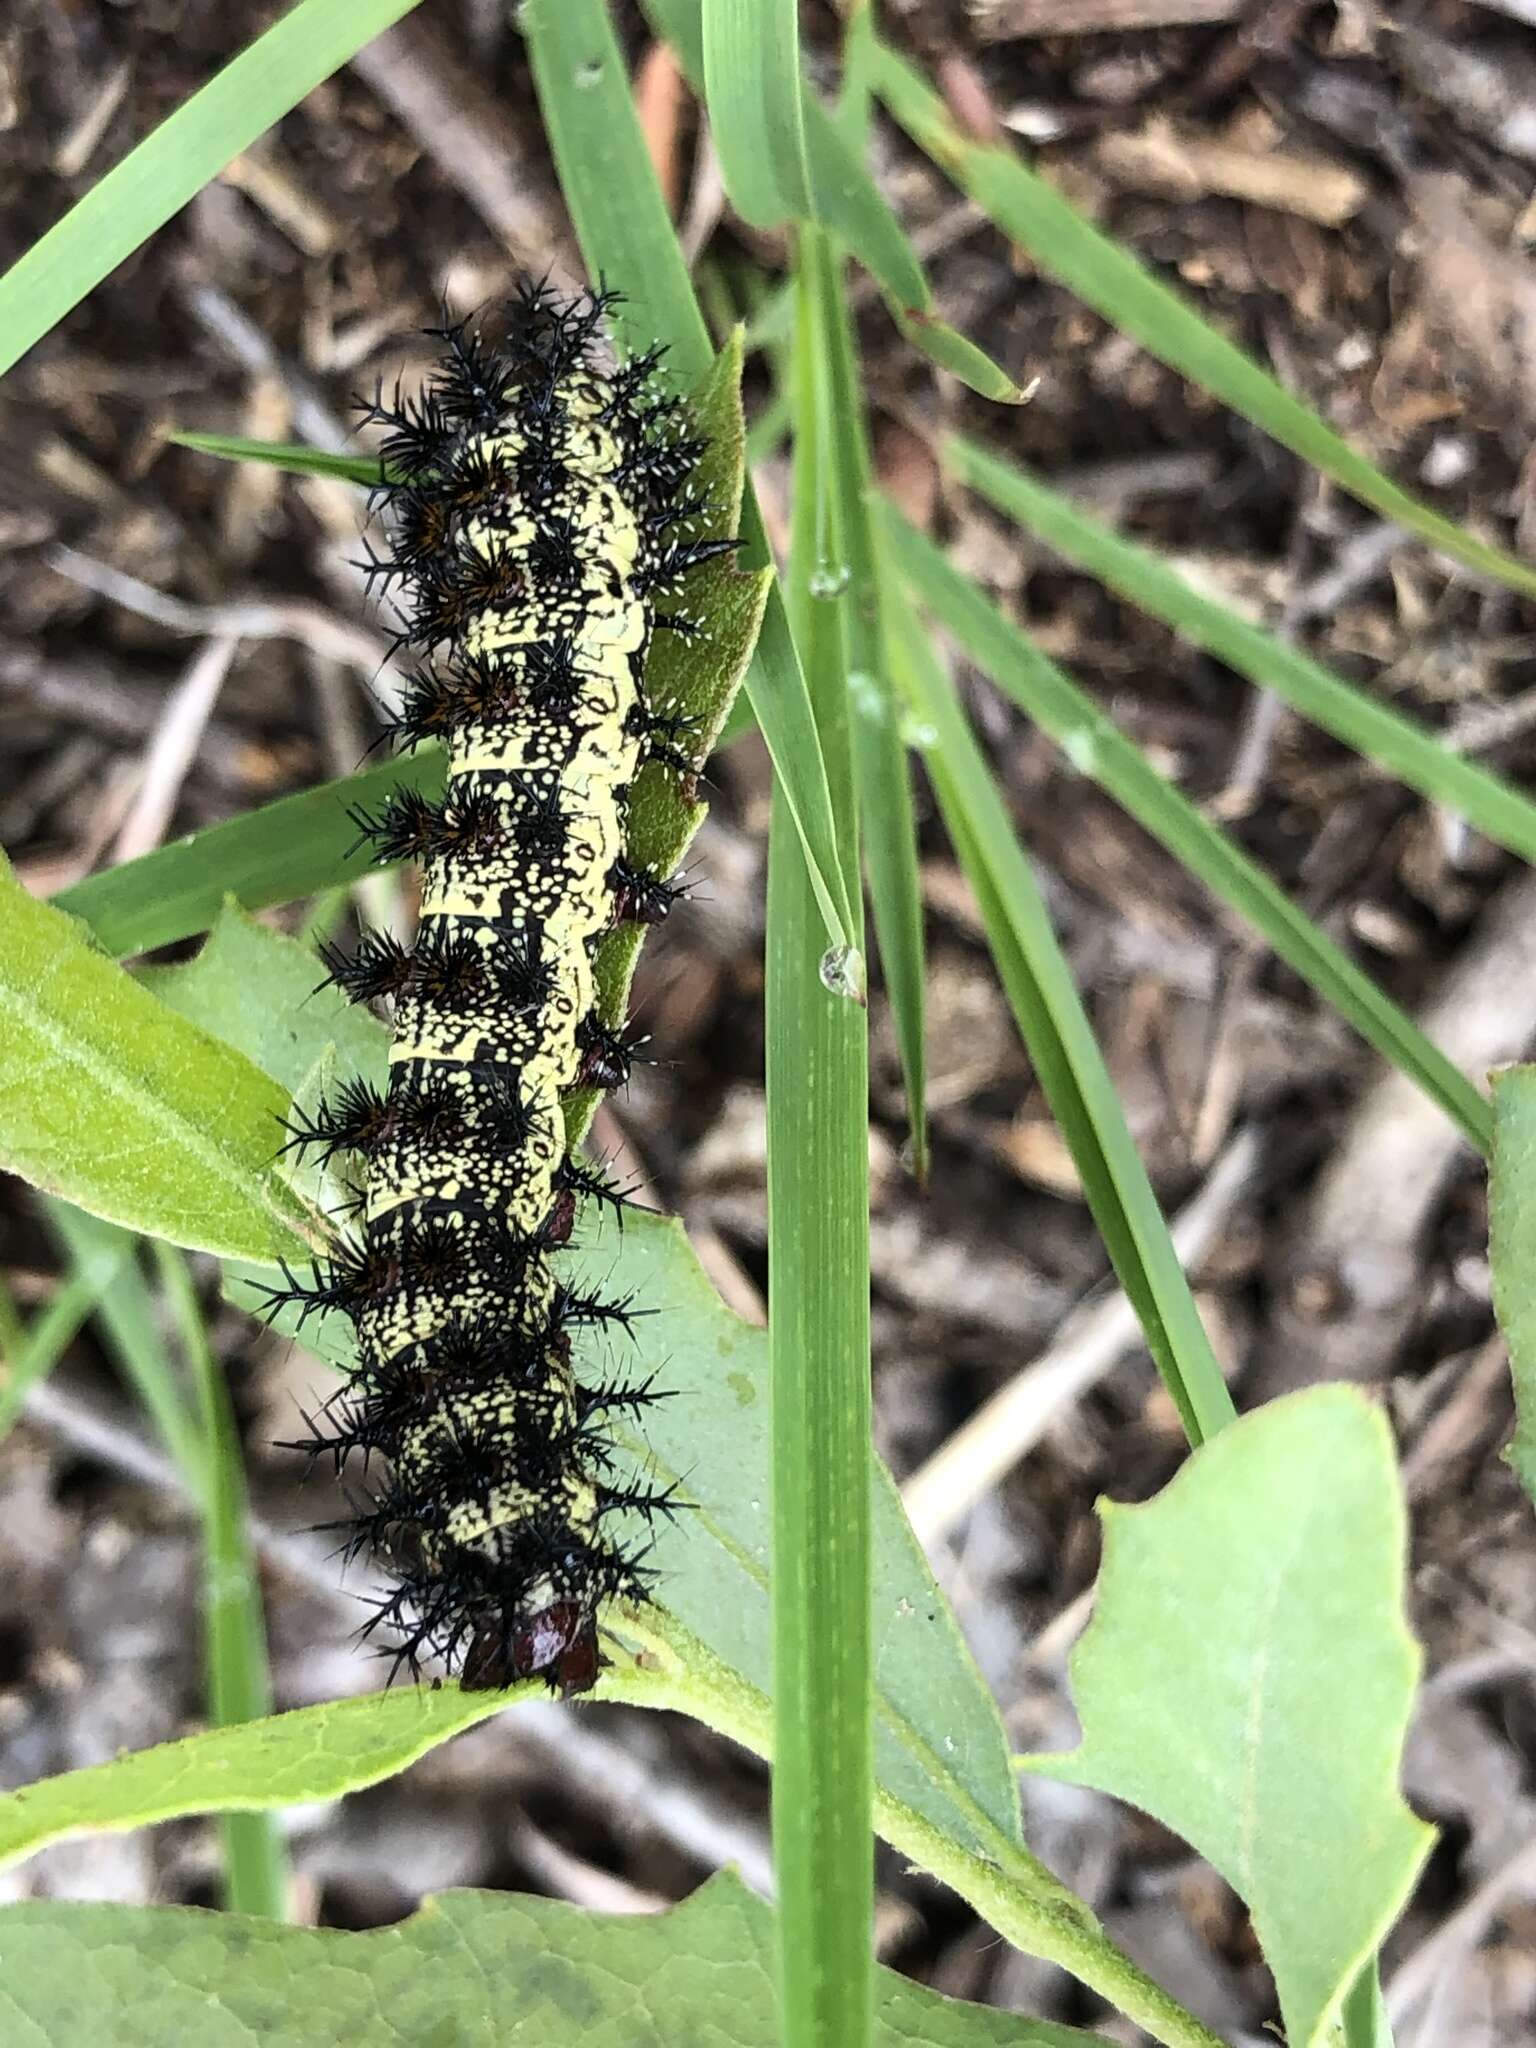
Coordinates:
x,y
39,1348
818,1281
1111,280
1059,1038
288,849
155,180
626,236
752,89
127,1314
845,197
887,820
1398,744
239,1684
296,457
1098,748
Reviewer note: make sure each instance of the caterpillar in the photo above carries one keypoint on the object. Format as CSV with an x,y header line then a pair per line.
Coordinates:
x,y
537,508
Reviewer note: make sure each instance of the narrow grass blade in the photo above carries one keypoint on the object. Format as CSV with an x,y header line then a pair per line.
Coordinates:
x,y
239,1684
752,88
1059,1037
818,1281
1097,748
887,821
1111,280
626,236
845,198
155,180
296,457
288,849
31,1357
1398,744
127,1314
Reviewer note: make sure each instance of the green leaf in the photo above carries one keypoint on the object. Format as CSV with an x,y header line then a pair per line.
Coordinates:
x,y
752,88
817,1076
1030,211
468,1970
1398,744
950,350
1097,748
288,849
155,180
698,676
1248,1676
1512,1247
110,1100
261,993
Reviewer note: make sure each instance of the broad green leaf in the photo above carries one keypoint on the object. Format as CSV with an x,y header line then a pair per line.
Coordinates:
x,y
752,88
261,992
1030,211
468,1970
110,1100
155,180
1248,1676
1512,1245
1405,749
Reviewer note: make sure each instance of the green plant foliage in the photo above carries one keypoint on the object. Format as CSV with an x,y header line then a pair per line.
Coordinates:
x,y
1512,1243
288,849
1247,1679
715,1561
752,86
172,165
110,1100
469,1970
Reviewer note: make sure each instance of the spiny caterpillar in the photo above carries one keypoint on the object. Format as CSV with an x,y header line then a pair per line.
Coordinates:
x,y
541,508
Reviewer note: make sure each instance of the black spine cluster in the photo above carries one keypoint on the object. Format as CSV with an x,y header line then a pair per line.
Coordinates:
x,y
539,506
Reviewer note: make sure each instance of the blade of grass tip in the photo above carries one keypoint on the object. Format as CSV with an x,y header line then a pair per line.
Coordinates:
x,y
1395,742
239,1682
170,166
1030,211
625,233
288,849
887,820
296,457
33,1353
752,90
127,1318
1058,1035
818,1281
1096,747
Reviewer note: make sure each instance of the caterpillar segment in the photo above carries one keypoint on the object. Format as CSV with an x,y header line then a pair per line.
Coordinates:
x,y
539,518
